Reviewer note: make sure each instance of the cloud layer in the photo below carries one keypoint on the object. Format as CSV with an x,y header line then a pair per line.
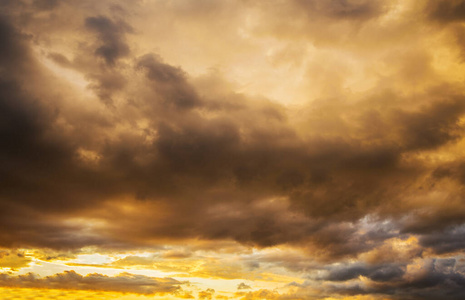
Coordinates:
x,y
70,280
331,127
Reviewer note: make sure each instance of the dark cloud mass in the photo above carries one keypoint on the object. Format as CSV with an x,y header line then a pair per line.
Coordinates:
x,y
430,282
110,35
111,142
170,82
447,11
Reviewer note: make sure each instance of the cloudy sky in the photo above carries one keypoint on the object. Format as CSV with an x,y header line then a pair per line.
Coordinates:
x,y
232,149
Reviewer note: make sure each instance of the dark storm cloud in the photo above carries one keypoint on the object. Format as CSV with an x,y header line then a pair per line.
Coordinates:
x,y
454,171
446,11
196,163
34,156
204,166
445,241
432,279
382,273
433,126
70,280
24,122
111,36
109,44
374,177
26,227
169,81
433,220
32,150
13,50
193,152
437,278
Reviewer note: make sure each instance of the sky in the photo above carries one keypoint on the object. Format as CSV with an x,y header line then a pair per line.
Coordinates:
x,y
233,149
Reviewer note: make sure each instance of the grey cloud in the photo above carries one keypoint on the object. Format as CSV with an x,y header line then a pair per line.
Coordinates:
x,y
169,81
380,273
111,35
210,161
446,11
445,241
14,49
437,278
434,126
434,279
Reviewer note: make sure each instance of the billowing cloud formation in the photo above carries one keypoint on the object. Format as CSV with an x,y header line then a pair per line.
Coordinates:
x,y
126,126
426,280
110,34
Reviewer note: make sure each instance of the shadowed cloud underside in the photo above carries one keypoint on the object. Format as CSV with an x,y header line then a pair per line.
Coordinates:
x,y
233,149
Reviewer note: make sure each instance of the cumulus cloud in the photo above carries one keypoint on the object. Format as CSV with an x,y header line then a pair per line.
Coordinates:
x,y
116,136
243,286
207,160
